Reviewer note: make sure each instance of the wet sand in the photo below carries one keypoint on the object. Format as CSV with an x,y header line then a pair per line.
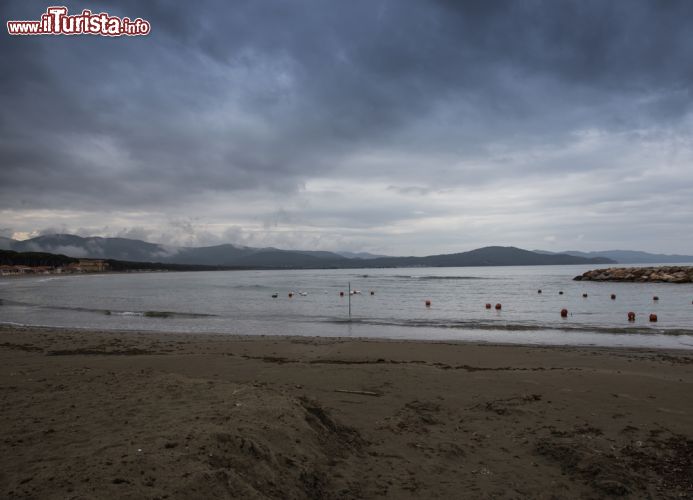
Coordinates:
x,y
153,415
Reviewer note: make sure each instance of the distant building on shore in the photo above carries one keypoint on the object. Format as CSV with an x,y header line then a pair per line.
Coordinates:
x,y
89,266
9,270
83,266
6,270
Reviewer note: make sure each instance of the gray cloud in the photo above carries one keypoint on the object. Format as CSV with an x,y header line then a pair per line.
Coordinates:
x,y
360,123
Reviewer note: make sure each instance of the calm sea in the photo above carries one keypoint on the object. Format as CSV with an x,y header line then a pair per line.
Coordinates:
x,y
241,302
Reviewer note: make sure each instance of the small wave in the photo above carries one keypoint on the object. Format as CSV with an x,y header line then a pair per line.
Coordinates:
x,y
439,278
239,287
155,314
13,323
113,312
526,327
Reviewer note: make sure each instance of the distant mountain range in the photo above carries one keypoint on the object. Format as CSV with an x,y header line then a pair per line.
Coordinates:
x,y
628,256
273,258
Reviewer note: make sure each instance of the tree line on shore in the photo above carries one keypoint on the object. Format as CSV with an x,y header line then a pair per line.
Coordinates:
x,y
34,259
56,261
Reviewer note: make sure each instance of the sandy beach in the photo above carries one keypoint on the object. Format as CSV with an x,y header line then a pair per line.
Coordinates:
x,y
152,415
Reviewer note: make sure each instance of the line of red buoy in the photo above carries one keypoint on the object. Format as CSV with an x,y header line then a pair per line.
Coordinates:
x,y
564,312
631,315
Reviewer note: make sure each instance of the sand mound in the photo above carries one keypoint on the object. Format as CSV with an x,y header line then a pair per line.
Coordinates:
x,y
167,436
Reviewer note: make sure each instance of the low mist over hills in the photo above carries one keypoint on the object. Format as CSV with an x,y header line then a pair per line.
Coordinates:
x,y
360,255
229,255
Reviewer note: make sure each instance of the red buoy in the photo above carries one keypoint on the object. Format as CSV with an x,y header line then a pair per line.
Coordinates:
x,y
613,296
498,307
488,306
428,303
341,294
372,292
291,294
655,298
653,317
631,316
564,313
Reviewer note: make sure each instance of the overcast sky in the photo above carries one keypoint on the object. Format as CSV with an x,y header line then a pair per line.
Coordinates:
x,y
395,127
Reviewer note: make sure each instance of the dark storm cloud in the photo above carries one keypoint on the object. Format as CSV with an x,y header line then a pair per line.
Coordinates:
x,y
226,97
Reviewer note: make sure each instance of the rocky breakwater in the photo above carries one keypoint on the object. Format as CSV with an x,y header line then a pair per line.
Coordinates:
x,y
664,274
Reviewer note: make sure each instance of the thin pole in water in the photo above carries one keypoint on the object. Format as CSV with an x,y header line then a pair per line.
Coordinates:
x,y
349,300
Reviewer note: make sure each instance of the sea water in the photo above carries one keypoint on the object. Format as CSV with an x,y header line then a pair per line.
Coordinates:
x,y
240,302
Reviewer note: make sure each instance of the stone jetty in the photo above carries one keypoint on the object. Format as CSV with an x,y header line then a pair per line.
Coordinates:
x,y
663,274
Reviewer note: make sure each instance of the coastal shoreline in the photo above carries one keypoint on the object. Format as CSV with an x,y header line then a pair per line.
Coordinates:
x,y
547,342
151,414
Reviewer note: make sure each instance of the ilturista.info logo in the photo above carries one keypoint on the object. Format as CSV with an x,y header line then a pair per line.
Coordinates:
x,y
57,21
